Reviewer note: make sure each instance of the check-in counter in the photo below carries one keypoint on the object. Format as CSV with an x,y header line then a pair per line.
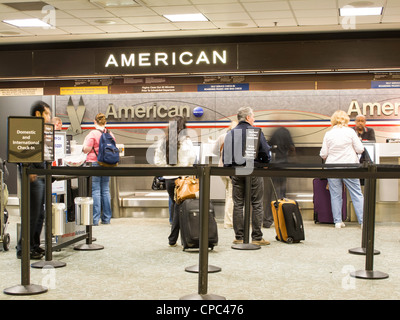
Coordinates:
x,y
387,193
133,196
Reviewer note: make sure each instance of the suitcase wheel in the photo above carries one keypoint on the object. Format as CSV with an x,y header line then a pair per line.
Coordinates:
x,y
289,240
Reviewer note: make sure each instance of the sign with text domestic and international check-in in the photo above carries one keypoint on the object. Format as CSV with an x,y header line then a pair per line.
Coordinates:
x,y
30,140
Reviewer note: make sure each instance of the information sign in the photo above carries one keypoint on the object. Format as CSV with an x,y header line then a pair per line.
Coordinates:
x,y
25,140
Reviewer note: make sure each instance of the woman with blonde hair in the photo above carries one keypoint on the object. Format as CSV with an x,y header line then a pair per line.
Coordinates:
x,y
341,145
100,185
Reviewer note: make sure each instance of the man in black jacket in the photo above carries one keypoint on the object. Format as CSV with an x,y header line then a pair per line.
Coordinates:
x,y
244,148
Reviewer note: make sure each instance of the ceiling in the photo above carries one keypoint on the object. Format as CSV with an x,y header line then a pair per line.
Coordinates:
x,y
81,20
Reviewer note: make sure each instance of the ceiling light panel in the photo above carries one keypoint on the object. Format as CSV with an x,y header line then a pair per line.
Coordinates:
x,y
188,17
27,6
349,11
115,3
27,23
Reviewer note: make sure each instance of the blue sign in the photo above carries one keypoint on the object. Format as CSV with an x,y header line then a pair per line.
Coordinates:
x,y
223,87
198,112
385,84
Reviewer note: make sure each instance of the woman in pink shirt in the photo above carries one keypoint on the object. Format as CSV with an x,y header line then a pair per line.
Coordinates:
x,y
100,185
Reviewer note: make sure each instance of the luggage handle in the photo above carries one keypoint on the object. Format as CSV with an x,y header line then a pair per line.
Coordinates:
x,y
276,205
273,188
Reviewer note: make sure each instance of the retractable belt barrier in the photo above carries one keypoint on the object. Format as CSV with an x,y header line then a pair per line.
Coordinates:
x,y
371,172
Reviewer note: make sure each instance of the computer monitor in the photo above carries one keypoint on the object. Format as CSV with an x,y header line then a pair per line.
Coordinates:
x,y
370,148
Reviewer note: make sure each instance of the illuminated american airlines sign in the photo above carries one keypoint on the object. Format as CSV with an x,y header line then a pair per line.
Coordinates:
x,y
148,59
174,59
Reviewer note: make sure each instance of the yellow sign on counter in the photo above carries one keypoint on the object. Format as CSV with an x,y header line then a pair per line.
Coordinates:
x,y
83,90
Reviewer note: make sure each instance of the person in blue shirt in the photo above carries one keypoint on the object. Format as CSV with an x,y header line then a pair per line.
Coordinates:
x,y
239,153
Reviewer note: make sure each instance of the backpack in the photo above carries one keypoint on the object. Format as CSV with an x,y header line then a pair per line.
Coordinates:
x,y
108,155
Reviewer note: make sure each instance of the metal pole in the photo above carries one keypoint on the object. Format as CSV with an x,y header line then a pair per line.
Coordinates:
x,y
204,213
48,262
204,194
369,273
25,288
25,232
362,250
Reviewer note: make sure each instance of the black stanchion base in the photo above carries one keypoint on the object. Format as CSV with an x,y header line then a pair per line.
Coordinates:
x,y
362,251
25,290
246,246
197,296
88,247
195,269
50,264
369,274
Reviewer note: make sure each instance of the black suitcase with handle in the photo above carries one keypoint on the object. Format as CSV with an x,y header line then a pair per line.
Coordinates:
x,y
189,224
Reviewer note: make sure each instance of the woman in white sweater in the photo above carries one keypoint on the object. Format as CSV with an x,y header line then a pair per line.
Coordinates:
x,y
175,150
341,145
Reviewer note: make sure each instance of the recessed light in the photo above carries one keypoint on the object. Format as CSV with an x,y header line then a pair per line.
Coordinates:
x,y
27,23
349,11
105,21
237,24
185,17
10,33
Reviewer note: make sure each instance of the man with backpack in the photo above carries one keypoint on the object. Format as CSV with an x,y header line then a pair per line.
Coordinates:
x,y
100,147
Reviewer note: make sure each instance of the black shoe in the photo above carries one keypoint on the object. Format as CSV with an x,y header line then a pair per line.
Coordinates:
x,y
39,250
33,256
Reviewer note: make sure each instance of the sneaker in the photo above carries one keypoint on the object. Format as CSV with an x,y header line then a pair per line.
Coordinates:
x,y
261,242
173,245
339,225
236,241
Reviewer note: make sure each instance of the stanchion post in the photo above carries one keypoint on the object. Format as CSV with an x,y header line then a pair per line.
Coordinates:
x,y
246,245
89,245
362,250
25,288
204,194
48,262
369,272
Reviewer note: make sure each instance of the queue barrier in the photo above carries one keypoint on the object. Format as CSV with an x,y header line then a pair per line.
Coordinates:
x,y
361,171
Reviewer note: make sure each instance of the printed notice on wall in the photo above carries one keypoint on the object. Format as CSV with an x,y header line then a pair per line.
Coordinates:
x,y
152,88
25,140
83,90
223,87
17,92
385,84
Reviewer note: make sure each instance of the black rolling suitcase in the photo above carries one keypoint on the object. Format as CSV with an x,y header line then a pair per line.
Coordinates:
x,y
189,224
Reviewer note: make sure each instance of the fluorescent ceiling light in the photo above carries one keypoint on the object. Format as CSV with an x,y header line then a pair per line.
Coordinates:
x,y
26,23
349,11
185,17
114,3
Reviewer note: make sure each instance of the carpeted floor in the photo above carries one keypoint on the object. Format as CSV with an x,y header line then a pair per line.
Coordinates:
x,y
138,264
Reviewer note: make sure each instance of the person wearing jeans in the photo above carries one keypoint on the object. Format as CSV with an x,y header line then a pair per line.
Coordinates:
x,y
336,189
100,185
341,145
101,198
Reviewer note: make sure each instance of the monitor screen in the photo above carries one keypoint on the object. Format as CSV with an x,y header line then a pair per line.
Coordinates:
x,y
370,148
